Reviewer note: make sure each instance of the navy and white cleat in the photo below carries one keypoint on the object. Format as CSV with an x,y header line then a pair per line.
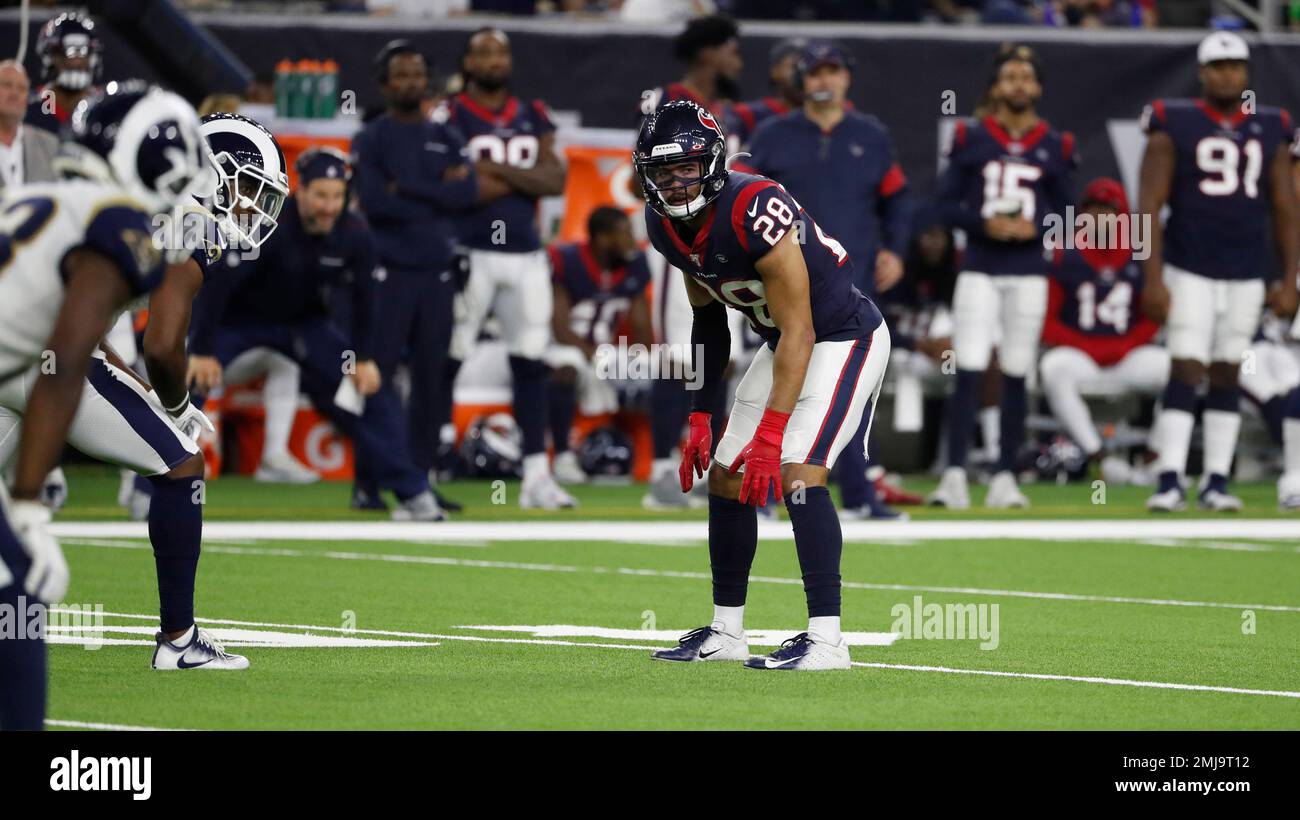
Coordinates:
x,y
806,653
1169,496
1214,496
199,650
705,644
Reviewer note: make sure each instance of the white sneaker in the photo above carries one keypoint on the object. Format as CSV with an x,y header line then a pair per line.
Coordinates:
x,y
1171,500
1003,493
705,644
952,491
135,502
282,468
423,507
805,652
196,649
542,493
567,470
54,492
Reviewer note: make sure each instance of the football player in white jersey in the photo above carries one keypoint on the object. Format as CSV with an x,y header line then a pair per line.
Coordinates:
x,y
151,429
73,253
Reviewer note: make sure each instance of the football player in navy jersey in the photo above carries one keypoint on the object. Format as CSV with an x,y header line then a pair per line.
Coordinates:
x,y
710,49
1007,174
72,62
598,285
513,142
841,165
1288,485
1099,338
787,93
743,242
1222,166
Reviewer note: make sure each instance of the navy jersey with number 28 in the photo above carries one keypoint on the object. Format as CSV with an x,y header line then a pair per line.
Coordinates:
x,y
750,216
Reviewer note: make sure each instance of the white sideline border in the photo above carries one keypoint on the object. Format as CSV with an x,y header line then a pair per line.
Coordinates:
x,y
470,532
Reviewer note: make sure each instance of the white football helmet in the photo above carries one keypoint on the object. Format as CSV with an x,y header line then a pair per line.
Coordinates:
x,y
253,184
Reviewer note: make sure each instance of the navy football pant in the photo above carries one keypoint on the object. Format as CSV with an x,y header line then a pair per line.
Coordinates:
x,y
22,655
416,311
378,435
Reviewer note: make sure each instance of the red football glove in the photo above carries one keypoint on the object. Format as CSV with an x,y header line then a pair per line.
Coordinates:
x,y
699,443
762,460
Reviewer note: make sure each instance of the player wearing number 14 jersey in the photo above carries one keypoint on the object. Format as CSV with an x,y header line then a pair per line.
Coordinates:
x,y
743,242
1222,166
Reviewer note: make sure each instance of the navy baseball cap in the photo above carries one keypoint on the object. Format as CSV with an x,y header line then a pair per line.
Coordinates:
x,y
823,52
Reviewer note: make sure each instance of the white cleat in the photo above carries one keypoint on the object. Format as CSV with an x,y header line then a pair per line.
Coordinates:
x,y
283,468
1003,493
1215,500
196,649
567,470
1288,492
1116,470
422,507
543,493
1171,500
952,491
705,644
54,492
805,652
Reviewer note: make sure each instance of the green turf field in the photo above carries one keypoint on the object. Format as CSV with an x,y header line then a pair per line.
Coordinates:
x,y
368,628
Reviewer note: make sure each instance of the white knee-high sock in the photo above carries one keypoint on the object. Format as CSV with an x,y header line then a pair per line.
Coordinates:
x,y
280,397
1291,445
1171,438
1220,429
991,431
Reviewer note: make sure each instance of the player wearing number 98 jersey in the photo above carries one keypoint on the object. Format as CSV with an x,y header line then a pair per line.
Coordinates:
x,y
743,242
512,145
1221,165
1008,175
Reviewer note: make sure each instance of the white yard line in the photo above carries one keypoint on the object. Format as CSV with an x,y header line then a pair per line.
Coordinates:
x,y
1185,687
110,727
473,532
436,560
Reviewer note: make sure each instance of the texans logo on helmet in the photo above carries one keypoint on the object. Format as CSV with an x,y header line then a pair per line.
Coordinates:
x,y
706,119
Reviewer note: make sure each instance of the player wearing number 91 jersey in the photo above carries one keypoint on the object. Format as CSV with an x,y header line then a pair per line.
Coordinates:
x,y
1221,165
743,242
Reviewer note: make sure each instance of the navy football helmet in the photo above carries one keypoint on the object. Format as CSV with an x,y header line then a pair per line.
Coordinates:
x,y
70,36
253,184
142,138
493,447
680,147
606,452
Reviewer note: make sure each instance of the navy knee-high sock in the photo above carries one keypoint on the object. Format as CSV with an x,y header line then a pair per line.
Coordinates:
x,y
1273,411
1291,408
529,387
22,665
733,539
176,532
564,407
1015,403
962,406
819,542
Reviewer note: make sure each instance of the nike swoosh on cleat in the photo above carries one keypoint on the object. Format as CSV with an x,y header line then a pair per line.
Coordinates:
x,y
704,654
779,664
181,664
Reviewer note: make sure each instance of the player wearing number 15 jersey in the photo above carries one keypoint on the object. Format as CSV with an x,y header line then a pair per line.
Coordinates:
x,y
1222,166
743,242
1008,175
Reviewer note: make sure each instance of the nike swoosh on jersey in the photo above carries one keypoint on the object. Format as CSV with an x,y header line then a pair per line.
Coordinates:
x,y
753,209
